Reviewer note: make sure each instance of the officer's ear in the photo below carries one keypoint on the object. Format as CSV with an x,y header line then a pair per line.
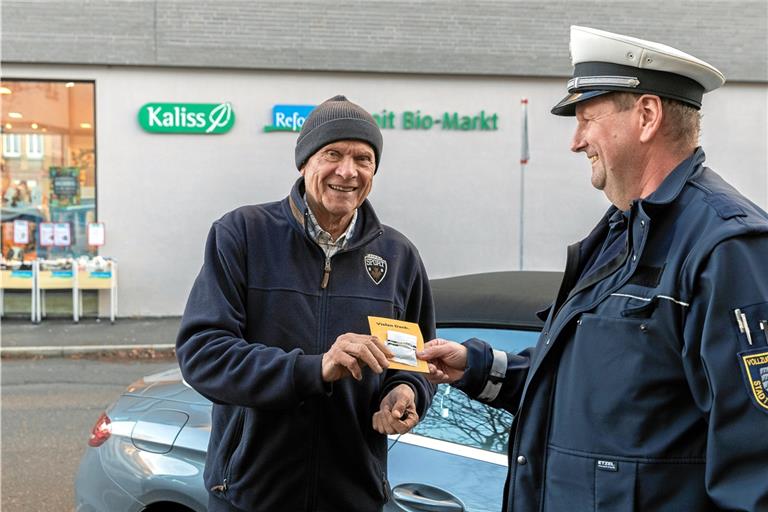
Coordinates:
x,y
650,116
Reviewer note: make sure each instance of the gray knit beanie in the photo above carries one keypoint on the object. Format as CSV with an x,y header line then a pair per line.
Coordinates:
x,y
335,119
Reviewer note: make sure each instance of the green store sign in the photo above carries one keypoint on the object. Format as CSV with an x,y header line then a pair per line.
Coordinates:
x,y
454,121
290,118
201,118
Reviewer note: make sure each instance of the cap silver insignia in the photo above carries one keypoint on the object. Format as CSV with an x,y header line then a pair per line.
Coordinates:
x,y
598,81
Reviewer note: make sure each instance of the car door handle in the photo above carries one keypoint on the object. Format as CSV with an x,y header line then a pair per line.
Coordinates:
x,y
425,498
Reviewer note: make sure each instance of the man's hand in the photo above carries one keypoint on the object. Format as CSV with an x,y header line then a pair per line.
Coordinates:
x,y
447,360
397,412
350,353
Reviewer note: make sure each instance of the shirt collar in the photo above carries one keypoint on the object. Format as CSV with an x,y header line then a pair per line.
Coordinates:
x,y
318,233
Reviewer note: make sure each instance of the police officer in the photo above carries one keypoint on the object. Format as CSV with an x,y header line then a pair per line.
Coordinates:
x,y
645,391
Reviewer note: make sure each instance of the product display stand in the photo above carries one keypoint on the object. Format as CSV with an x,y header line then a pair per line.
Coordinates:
x,y
99,280
56,279
20,280
44,275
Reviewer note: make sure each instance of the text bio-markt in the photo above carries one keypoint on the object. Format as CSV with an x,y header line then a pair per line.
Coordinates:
x,y
416,120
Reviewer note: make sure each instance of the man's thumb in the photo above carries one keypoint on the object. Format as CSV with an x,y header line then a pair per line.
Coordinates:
x,y
434,352
400,407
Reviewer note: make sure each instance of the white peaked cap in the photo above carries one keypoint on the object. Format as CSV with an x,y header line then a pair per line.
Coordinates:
x,y
605,62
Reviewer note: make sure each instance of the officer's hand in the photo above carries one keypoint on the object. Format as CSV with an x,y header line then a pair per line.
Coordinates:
x,y
350,353
397,412
447,360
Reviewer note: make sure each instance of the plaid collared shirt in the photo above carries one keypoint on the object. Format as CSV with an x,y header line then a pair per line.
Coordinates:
x,y
324,239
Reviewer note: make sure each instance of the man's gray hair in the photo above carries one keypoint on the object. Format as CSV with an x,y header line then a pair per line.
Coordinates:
x,y
681,123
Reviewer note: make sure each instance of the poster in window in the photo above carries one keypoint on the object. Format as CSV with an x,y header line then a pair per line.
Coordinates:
x,y
96,234
62,234
65,186
46,234
21,232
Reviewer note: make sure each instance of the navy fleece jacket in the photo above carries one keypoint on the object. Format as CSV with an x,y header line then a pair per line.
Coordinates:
x,y
251,340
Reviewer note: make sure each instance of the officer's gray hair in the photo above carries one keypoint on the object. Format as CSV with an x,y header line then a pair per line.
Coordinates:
x,y
681,124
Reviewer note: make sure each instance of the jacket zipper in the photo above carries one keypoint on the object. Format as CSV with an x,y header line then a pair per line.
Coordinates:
x,y
222,487
327,266
314,462
326,273
572,280
385,484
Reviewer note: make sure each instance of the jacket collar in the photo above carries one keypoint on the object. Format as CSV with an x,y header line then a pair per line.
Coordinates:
x,y
667,192
367,224
673,184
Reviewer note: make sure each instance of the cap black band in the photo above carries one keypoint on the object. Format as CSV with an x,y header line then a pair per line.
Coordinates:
x,y
660,83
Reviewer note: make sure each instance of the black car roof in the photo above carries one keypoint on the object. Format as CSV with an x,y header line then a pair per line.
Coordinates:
x,y
494,299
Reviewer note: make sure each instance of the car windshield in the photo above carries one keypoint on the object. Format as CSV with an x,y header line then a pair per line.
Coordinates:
x,y
453,417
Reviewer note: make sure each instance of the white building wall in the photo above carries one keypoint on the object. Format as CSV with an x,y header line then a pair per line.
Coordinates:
x,y
454,194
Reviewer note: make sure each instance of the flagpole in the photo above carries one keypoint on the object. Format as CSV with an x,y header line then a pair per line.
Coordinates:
x,y
524,157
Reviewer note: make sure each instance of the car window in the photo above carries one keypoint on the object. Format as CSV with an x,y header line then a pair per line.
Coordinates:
x,y
453,417
508,340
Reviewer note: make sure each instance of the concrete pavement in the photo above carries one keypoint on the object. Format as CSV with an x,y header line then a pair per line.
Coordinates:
x,y
146,337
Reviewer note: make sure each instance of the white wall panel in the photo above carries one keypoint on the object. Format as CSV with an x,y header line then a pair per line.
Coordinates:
x,y
455,194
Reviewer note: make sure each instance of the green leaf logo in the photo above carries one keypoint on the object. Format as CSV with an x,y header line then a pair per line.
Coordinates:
x,y
219,116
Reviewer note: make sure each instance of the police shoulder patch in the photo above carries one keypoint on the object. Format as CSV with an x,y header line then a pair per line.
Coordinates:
x,y
754,364
376,266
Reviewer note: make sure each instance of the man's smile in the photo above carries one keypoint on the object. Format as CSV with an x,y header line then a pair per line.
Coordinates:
x,y
342,188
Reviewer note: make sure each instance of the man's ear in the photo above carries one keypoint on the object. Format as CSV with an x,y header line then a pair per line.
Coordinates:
x,y
651,116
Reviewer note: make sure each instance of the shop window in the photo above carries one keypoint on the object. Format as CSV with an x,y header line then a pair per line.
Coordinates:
x,y
11,145
48,165
34,146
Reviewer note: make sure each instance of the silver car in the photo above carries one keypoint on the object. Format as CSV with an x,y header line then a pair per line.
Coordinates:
x,y
147,450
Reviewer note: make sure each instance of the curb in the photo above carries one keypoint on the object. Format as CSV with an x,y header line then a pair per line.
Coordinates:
x,y
141,351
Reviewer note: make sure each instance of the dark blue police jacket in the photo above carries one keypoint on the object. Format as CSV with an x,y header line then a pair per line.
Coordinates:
x,y
647,390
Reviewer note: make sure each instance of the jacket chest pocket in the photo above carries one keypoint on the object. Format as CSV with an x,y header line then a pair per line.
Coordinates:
x,y
619,353
611,372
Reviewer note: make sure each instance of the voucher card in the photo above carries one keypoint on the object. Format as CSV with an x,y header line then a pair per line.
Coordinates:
x,y
403,339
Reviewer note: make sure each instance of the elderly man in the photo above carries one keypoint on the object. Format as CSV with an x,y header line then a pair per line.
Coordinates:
x,y
645,390
274,333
